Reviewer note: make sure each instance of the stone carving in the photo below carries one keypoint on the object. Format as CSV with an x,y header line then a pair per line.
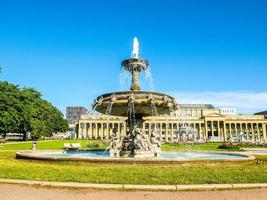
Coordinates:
x,y
155,138
141,140
115,141
135,143
115,144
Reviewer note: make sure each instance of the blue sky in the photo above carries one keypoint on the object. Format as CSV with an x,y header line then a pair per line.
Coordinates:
x,y
200,51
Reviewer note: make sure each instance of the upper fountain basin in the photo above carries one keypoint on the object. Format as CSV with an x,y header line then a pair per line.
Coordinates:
x,y
145,103
135,64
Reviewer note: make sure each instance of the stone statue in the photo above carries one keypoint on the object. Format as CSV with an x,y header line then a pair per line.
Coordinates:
x,y
136,143
141,140
115,144
155,138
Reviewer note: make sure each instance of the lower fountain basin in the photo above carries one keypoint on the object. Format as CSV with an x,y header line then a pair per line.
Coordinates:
x,y
143,102
164,157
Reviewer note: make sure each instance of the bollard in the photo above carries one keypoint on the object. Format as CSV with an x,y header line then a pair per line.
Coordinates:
x,y
34,143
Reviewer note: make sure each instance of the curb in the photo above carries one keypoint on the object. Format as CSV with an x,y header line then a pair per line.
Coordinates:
x,y
202,187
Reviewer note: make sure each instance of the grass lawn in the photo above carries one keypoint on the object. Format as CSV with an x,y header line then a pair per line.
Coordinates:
x,y
132,174
49,144
58,144
205,146
199,173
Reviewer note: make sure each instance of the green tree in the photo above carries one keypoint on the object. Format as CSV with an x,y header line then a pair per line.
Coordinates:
x,y
23,110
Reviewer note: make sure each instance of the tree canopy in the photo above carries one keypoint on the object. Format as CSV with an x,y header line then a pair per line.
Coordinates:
x,y
23,110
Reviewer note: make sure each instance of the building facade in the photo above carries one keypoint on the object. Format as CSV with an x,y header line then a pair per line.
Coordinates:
x,y
208,123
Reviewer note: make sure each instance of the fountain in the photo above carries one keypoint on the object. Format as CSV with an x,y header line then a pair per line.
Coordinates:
x,y
135,104
136,146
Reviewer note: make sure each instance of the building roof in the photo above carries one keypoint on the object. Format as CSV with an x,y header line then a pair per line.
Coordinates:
x,y
200,106
262,113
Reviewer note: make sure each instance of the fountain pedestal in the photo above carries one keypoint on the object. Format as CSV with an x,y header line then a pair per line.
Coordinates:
x,y
114,153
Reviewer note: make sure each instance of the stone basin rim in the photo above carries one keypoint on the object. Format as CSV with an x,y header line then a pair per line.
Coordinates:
x,y
37,155
163,103
134,92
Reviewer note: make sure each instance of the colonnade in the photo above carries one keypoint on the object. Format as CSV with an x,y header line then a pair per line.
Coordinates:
x,y
207,130
100,130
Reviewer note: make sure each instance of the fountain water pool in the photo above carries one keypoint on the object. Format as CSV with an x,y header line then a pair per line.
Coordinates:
x,y
104,156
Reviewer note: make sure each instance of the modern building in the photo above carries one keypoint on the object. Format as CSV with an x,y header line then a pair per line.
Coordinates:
x,y
73,113
209,123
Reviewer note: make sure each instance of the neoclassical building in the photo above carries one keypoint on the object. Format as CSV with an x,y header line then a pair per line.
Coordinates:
x,y
208,123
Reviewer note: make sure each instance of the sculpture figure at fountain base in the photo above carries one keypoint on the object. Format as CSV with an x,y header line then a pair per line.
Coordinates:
x,y
135,144
115,144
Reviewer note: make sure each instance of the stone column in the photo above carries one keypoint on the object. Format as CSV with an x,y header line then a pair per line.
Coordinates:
x,y
206,131
79,131
264,132
230,129
90,131
242,130
172,132
258,131
199,130
212,133
160,130
97,131
135,82
250,132
106,131
219,131
236,129
194,128
101,131
247,131
224,131
166,131
86,131
109,129
253,132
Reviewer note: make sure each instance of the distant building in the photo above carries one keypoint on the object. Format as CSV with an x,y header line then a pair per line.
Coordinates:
x,y
73,113
209,123
192,110
262,113
227,111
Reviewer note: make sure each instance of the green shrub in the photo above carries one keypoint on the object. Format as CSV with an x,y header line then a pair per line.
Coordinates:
x,y
230,146
96,144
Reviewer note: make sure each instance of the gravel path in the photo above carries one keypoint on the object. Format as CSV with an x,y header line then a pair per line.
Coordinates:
x,y
18,192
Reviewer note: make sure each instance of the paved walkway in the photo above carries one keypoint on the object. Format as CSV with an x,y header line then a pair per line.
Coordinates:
x,y
18,192
254,151
75,185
